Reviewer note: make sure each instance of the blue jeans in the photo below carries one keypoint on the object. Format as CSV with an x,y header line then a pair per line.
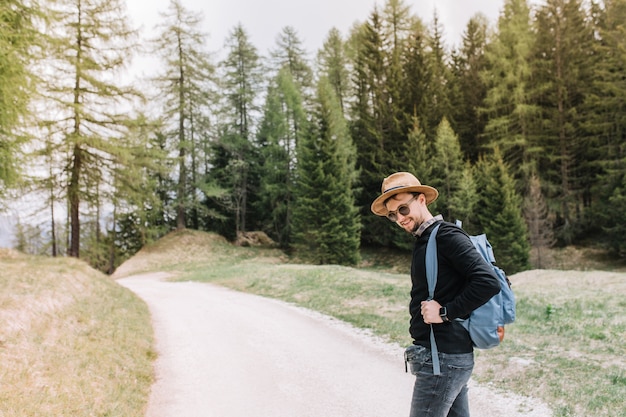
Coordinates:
x,y
442,395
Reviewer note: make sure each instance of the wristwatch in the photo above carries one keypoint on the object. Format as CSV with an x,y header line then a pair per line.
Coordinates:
x,y
443,313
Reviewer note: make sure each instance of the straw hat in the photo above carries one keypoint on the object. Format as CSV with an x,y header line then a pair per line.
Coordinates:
x,y
401,182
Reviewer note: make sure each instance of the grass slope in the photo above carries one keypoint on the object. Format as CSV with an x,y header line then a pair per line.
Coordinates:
x,y
72,341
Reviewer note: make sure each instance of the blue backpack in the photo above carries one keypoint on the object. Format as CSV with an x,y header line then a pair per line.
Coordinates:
x,y
485,324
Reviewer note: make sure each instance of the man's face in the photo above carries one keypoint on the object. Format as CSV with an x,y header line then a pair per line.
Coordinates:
x,y
400,203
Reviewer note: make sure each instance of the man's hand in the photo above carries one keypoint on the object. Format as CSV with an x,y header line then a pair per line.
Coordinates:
x,y
430,312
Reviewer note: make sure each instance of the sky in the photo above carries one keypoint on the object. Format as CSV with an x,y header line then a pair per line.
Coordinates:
x,y
263,20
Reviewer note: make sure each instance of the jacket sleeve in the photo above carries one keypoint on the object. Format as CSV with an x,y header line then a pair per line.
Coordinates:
x,y
479,282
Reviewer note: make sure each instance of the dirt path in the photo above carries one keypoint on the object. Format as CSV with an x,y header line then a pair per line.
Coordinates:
x,y
224,353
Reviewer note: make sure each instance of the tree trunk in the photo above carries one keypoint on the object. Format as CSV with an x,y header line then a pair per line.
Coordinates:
x,y
74,199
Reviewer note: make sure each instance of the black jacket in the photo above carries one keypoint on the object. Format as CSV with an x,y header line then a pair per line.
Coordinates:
x,y
465,282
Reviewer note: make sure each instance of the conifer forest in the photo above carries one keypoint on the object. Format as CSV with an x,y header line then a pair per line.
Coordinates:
x,y
521,127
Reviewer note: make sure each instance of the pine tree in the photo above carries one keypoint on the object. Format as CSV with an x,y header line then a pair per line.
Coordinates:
x,y
417,153
416,158
447,168
605,121
325,221
613,215
562,79
366,116
282,126
437,103
463,202
499,213
417,74
468,90
397,25
509,106
607,125
380,126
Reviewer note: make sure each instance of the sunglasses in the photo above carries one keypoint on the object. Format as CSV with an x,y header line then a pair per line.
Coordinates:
x,y
403,209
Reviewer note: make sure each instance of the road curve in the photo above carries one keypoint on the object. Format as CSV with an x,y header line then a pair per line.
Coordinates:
x,y
224,353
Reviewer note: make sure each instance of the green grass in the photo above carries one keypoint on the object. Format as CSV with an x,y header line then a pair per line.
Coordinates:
x,y
570,338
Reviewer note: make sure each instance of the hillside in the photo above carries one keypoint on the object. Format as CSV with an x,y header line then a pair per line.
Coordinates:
x,y
72,341
185,249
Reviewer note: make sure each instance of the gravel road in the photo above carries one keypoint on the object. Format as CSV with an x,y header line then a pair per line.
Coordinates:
x,y
224,353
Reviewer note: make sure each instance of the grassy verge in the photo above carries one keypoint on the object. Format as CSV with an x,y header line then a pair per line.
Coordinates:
x,y
566,347
72,342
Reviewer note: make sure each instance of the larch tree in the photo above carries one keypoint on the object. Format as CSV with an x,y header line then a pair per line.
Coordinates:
x,y
86,105
237,166
290,54
332,62
18,37
283,124
186,88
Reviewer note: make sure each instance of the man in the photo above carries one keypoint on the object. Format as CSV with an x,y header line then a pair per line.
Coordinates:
x,y
464,282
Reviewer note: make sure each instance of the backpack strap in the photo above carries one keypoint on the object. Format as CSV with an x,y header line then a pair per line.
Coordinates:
x,y
432,269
